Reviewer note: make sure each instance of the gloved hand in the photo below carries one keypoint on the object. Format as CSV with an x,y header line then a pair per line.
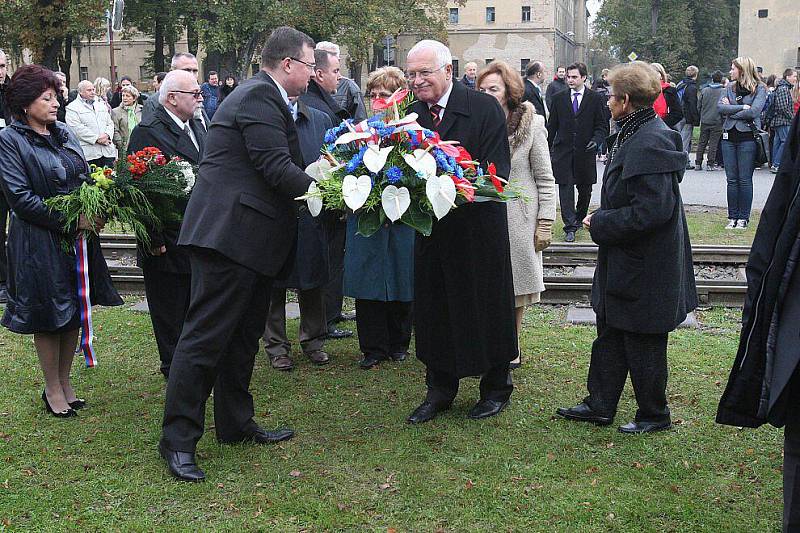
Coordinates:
x,y
591,147
543,234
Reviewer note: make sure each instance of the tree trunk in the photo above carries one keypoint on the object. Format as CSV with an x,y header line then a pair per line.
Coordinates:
x,y
51,52
655,10
158,52
66,62
192,36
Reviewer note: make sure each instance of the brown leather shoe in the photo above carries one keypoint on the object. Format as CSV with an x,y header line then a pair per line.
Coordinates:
x,y
319,357
281,362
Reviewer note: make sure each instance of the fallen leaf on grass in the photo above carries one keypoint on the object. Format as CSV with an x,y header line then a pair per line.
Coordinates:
x,y
341,506
469,484
637,464
295,473
384,486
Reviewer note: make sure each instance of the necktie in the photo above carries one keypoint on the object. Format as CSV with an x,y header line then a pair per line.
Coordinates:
x,y
188,132
435,110
575,103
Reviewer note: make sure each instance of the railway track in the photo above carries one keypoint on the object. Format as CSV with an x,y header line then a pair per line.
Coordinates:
x,y
568,270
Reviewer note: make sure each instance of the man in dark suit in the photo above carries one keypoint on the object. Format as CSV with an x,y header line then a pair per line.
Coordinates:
x,y
320,95
187,62
241,228
5,118
577,126
556,86
534,77
172,129
310,271
463,270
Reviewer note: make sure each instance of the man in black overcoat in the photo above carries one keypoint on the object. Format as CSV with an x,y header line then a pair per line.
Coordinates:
x,y
534,76
5,117
578,124
241,228
463,290
172,129
764,384
320,95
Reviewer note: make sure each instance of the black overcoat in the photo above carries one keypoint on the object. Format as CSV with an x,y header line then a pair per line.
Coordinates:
x,y
318,99
310,269
568,134
533,96
463,289
160,131
756,390
242,204
644,280
42,279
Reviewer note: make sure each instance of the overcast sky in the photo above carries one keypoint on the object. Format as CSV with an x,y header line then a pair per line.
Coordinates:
x,y
592,6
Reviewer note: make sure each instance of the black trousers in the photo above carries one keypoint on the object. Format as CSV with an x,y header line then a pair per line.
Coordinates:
x,y
168,300
571,214
102,162
615,353
384,328
313,328
791,476
709,138
495,385
337,235
4,212
217,348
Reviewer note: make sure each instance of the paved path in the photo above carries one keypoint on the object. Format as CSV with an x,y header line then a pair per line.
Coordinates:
x,y
700,187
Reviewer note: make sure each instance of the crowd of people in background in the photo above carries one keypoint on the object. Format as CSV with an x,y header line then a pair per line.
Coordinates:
x,y
216,284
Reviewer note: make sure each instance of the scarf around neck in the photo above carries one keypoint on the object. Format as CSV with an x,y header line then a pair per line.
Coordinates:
x,y
630,124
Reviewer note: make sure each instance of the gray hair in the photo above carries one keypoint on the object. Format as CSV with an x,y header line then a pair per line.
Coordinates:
x,y
3,52
177,56
83,84
328,46
131,90
443,55
172,83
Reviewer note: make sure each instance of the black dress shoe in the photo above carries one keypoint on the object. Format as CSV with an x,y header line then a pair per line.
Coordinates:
x,y
486,408
262,436
584,413
181,464
79,403
60,414
399,356
569,236
644,427
346,317
371,360
337,333
425,412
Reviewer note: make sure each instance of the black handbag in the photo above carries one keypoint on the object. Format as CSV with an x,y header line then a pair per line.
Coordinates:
x,y
762,144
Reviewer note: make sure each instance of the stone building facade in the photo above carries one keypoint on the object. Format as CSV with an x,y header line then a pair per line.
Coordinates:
x,y
769,32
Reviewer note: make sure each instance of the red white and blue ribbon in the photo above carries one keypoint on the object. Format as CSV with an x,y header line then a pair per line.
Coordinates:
x,y
85,303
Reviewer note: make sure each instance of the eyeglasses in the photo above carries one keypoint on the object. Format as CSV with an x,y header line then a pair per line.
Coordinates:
x,y
380,95
423,73
197,94
312,66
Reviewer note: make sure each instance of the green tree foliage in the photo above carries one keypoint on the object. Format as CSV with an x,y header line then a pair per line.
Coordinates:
x,y
675,33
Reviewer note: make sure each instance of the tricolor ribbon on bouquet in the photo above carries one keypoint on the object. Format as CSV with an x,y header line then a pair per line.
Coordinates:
x,y
84,301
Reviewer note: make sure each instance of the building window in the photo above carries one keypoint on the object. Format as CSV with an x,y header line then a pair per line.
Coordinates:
x,y
489,14
489,60
84,73
523,66
455,68
453,15
144,73
256,67
526,13
763,13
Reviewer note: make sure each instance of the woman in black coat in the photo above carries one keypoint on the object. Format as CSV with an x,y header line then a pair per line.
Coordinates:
x,y
40,158
764,384
644,282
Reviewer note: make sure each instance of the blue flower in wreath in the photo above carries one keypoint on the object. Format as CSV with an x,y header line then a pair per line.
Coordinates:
x,y
393,174
356,160
459,171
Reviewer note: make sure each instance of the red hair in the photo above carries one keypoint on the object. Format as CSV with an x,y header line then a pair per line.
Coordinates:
x,y
28,83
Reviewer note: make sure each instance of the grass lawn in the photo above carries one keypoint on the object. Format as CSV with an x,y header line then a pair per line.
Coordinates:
x,y
706,226
356,465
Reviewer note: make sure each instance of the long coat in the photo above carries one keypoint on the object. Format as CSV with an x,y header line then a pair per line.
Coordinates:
x,y
42,280
122,130
242,204
463,290
568,135
310,269
317,98
758,390
160,131
644,280
534,96
89,123
531,173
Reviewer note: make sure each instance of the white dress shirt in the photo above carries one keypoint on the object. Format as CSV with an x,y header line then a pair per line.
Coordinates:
x,y
443,101
184,126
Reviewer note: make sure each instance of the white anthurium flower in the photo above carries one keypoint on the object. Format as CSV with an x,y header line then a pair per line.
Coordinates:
x,y
441,192
319,169
406,120
414,126
395,202
375,157
422,162
188,174
314,201
356,190
351,136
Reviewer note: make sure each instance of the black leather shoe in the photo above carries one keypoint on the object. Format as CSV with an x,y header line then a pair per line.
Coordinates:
x,y
399,356
486,408
569,237
337,333
3,295
644,427
181,464
371,360
584,413
345,317
60,414
426,412
79,403
262,436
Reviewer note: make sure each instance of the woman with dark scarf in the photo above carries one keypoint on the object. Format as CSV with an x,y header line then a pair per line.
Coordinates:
x,y
644,281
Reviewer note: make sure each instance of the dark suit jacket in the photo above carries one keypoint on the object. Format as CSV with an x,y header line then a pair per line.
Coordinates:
x,y
242,205
318,99
533,96
160,131
472,241
568,135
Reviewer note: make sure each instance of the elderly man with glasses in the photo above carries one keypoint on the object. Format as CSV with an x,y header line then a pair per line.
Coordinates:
x,y
187,62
